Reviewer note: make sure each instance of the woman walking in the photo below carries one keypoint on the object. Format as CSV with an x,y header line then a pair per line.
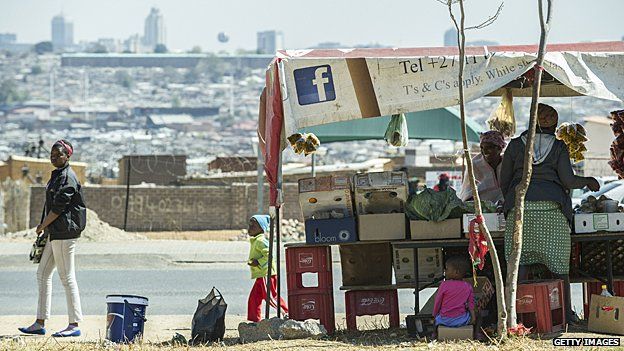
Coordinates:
x,y
63,219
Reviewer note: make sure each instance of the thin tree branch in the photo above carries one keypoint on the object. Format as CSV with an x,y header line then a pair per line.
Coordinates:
x,y
490,19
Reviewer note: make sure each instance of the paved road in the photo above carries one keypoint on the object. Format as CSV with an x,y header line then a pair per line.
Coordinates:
x,y
152,269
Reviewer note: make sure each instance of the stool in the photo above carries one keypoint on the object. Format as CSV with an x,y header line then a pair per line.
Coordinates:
x,y
540,305
369,303
456,333
310,302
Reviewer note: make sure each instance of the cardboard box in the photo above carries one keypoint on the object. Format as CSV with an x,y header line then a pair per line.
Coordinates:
x,y
387,226
430,265
459,333
324,183
598,222
605,315
429,230
326,197
330,231
366,264
380,192
494,221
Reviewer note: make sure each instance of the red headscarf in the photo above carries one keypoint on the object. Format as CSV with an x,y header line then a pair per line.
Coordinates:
x,y
66,146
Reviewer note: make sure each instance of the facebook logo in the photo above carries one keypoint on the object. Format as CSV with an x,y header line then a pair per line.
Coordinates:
x,y
314,85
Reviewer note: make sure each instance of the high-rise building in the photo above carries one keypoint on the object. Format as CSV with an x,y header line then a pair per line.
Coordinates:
x,y
8,38
154,32
270,41
62,32
450,37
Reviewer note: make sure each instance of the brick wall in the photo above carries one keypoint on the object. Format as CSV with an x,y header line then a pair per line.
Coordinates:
x,y
154,169
175,208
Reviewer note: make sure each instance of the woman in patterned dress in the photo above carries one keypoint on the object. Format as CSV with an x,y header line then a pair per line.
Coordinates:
x,y
548,207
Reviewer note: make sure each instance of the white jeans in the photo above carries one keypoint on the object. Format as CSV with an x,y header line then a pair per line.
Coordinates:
x,y
58,254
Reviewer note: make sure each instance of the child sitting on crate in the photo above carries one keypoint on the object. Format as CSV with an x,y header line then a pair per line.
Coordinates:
x,y
454,302
259,265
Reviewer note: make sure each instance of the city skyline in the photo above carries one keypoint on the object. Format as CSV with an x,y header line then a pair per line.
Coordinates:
x,y
405,23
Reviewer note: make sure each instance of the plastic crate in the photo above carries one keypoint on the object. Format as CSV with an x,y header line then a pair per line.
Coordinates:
x,y
370,303
540,305
308,259
313,306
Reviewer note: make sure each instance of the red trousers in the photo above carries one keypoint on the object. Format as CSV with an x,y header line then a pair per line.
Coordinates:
x,y
258,294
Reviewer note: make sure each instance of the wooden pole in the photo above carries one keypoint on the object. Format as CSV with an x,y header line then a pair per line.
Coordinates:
x,y
461,41
513,262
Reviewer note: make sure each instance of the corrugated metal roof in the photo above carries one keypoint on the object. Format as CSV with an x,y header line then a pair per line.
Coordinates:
x,y
171,119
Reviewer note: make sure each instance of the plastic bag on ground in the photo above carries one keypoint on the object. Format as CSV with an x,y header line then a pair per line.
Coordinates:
x,y
396,133
209,319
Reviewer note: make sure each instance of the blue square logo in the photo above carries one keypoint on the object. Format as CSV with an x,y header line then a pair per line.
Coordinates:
x,y
314,85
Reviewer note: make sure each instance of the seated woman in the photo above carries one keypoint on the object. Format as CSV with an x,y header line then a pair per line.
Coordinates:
x,y
487,168
547,207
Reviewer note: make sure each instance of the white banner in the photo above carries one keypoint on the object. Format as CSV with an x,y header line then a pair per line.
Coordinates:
x,y
325,90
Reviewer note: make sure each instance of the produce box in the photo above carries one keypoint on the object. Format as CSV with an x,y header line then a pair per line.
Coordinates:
x,y
430,265
386,226
605,314
330,231
380,192
494,221
326,197
366,264
598,222
429,230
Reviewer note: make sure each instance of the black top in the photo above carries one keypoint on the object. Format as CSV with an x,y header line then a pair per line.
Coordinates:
x,y
550,181
64,197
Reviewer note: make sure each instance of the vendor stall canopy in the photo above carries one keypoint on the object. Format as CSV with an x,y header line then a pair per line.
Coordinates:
x,y
307,88
443,123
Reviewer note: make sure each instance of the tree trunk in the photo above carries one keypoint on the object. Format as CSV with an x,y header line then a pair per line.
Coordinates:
x,y
513,263
500,300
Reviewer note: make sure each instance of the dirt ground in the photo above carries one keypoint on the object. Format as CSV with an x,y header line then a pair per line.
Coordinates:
x,y
160,329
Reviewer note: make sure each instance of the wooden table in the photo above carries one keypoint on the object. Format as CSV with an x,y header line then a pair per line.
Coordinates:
x,y
453,243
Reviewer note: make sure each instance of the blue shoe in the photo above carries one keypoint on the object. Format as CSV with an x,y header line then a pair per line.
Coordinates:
x,y
67,332
35,329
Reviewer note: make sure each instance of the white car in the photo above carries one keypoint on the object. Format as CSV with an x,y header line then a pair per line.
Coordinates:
x,y
613,190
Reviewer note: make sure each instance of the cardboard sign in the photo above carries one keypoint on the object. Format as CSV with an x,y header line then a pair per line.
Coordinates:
x,y
605,314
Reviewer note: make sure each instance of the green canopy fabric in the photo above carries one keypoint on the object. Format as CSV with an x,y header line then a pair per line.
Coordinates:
x,y
443,123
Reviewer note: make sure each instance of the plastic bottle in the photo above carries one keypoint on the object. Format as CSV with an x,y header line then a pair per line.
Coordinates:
x,y
605,292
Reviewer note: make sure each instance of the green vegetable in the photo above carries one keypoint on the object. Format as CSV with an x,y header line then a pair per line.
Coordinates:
x,y
435,205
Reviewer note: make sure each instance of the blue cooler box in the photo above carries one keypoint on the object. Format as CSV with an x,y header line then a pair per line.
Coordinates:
x,y
330,231
125,319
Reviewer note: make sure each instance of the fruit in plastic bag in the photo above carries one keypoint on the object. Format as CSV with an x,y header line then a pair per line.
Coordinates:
x,y
502,119
305,143
574,136
396,133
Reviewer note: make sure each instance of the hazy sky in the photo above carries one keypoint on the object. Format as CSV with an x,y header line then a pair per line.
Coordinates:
x,y
404,23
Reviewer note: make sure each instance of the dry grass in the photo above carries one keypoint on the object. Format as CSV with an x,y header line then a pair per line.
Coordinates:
x,y
368,340
204,235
